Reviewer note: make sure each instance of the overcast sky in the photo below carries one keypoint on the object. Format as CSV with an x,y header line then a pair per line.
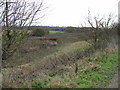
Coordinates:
x,y
74,12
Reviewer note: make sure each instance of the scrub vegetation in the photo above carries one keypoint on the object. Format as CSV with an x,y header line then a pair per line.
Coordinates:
x,y
41,57
62,60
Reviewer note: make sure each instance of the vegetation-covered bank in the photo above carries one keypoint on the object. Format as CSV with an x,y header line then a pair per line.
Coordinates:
x,y
95,71
88,72
73,64
50,63
35,56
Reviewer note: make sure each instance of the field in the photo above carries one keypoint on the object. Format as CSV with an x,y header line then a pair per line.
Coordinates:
x,y
56,32
62,60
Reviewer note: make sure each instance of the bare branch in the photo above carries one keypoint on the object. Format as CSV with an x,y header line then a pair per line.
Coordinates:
x,y
15,16
20,13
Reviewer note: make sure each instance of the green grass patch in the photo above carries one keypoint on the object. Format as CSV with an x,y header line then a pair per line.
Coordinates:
x,y
105,68
53,74
40,84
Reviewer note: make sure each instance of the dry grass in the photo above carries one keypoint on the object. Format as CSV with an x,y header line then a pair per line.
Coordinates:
x,y
71,49
48,64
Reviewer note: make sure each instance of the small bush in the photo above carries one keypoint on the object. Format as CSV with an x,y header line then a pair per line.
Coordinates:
x,y
70,29
11,41
39,84
39,32
53,74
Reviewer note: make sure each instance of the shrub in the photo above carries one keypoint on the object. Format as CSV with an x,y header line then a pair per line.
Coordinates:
x,y
70,29
39,32
11,41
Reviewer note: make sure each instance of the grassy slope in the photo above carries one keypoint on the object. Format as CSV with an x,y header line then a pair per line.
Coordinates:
x,y
98,71
64,77
53,32
62,57
94,71
87,77
63,39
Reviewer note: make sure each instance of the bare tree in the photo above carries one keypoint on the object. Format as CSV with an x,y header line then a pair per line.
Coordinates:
x,y
99,24
16,16
20,13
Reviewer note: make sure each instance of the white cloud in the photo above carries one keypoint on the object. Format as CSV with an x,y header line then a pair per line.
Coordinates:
x,y
74,12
